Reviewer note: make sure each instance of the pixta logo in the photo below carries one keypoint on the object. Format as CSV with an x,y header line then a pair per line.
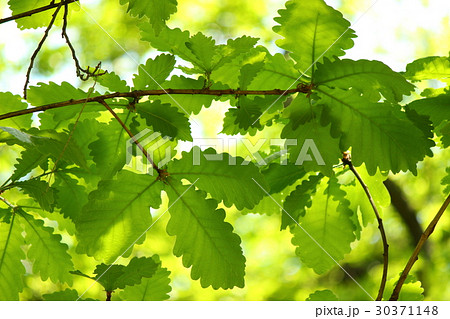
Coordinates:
x,y
160,150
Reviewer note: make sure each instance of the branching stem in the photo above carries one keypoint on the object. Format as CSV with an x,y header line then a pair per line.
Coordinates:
x,y
140,93
35,53
347,161
415,255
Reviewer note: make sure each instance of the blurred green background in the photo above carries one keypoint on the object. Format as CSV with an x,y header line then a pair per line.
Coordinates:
x,y
395,32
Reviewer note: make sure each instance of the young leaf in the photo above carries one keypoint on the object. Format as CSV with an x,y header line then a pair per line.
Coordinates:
x,y
117,214
158,11
11,103
328,222
113,277
380,134
165,119
153,288
312,31
370,78
11,254
155,71
49,255
113,82
204,49
322,295
205,241
225,177
429,68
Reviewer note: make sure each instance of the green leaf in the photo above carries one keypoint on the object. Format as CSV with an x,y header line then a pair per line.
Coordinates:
x,y
109,150
28,160
299,111
113,82
370,78
11,254
446,181
155,71
203,238
66,295
437,108
155,288
158,11
312,31
204,49
280,176
165,119
312,146
40,191
429,68
322,295
113,277
326,230
117,214
70,195
379,134
11,103
299,200
225,177
44,93
49,255
248,73
411,290
37,20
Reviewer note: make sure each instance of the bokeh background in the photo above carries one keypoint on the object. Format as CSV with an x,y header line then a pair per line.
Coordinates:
x,y
393,31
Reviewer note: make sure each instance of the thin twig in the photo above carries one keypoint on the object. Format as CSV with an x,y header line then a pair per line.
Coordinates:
x,y
35,53
347,161
34,11
139,93
150,160
415,255
83,74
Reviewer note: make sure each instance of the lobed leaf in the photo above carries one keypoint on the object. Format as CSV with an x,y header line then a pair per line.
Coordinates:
x,y
326,230
47,252
225,177
206,242
117,214
11,254
379,134
370,78
312,31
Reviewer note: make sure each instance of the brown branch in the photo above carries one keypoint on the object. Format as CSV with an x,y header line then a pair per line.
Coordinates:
x,y
150,160
34,11
35,53
139,93
415,255
347,161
